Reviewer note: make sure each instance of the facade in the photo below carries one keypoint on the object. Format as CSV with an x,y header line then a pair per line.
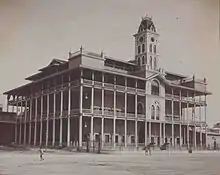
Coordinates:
x,y
126,103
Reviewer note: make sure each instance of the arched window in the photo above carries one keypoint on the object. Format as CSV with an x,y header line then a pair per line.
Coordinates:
x,y
158,113
138,61
151,62
143,48
151,48
155,63
140,109
152,112
155,49
143,60
155,88
139,49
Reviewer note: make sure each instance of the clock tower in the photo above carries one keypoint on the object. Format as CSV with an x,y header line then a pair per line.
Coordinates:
x,y
146,41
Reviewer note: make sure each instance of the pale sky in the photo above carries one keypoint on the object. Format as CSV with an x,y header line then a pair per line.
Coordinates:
x,y
32,32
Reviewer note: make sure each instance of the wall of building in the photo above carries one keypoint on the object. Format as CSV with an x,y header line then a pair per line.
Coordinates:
x,y
6,133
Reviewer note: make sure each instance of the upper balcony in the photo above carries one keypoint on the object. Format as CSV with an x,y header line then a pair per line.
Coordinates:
x,y
178,119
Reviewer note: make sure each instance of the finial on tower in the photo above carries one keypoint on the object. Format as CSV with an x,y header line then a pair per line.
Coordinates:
x,y
70,53
147,17
81,49
102,54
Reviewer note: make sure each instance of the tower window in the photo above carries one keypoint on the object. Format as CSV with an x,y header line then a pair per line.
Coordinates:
x,y
138,61
151,62
151,48
152,112
155,49
155,88
158,113
139,49
155,63
143,60
143,48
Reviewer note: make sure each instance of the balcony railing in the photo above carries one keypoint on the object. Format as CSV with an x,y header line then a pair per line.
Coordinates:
x,y
97,111
130,89
120,88
120,114
130,115
109,86
141,116
97,83
108,113
87,82
86,111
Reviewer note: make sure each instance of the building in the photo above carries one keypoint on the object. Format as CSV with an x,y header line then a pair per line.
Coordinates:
x,y
127,103
7,125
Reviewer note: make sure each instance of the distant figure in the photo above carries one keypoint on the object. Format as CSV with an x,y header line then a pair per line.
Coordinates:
x,y
41,153
147,150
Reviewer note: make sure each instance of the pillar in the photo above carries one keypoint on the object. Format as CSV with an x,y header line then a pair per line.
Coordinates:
x,y
114,119
41,119
187,116
136,117
194,120
180,115
21,117
102,131
25,121
161,133
92,111
126,95
61,117
103,111
149,131
68,117
146,107
200,120
172,107
16,124
30,123
48,112
54,118
80,109
35,122
205,123
8,98
164,131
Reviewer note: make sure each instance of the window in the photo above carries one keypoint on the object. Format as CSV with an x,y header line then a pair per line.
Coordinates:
x,y
152,112
143,60
154,87
107,139
138,61
151,62
139,49
158,113
151,48
140,109
155,63
155,49
132,139
116,139
143,48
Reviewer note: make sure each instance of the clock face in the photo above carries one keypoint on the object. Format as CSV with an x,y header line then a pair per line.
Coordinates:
x,y
141,39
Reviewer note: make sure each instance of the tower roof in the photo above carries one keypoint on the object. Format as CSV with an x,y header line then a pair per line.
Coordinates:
x,y
146,24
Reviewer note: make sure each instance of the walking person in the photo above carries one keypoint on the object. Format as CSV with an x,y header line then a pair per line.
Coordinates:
x,y
41,153
146,150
